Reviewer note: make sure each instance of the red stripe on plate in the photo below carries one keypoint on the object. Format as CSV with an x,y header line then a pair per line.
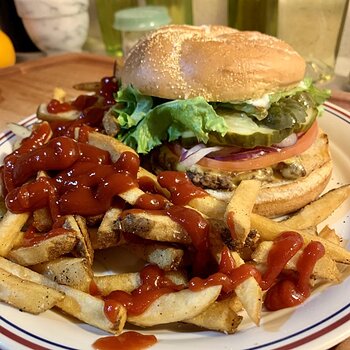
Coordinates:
x,y
337,109
21,340
315,335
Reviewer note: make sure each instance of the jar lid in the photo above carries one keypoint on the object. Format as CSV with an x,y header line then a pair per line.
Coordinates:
x,y
141,18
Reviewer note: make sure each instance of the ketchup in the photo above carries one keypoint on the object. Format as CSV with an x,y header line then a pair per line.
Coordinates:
x,y
290,290
180,187
58,153
154,284
32,238
146,184
93,288
39,136
229,276
231,224
149,201
198,228
125,341
91,108
284,248
56,106
85,186
109,86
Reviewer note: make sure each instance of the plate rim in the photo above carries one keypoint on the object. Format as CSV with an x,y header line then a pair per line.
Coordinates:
x,y
321,335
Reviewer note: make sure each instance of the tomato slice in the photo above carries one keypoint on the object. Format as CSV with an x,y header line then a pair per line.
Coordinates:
x,y
263,161
303,143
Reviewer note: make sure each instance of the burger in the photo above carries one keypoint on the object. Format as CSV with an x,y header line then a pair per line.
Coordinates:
x,y
224,105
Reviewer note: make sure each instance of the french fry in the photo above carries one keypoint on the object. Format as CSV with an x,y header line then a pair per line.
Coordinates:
x,y
127,282
3,208
76,303
249,294
83,248
25,295
45,250
155,227
131,196
165,257
176,306
90,310
209,206
240,207
73,272
115,148
218,317
145,173
108,233
269,230
109,144
10,226
42,220
325,267
110,123
330,235
316,212
161,241
43,114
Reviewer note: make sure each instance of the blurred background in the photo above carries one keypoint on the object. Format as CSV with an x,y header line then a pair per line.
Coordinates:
x,y
318,29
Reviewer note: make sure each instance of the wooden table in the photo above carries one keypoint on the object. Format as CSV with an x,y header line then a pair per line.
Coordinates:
x,y
24,86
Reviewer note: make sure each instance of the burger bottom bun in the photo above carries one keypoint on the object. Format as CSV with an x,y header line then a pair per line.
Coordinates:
x,y
283,198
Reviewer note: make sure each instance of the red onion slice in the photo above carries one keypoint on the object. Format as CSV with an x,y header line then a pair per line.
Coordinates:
x,y
249,154
187,152
288,141
195,154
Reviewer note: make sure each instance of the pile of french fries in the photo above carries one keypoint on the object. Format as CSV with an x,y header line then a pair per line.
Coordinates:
x,y
58,272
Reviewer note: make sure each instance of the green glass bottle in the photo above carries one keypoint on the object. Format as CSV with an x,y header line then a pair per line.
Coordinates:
x,y
259,15
180,11
105,12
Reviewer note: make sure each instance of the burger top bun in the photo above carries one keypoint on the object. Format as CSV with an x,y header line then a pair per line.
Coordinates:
x,y
216,62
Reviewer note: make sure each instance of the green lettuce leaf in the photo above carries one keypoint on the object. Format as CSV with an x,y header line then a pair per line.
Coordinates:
x,y
135,106
144,127
319,95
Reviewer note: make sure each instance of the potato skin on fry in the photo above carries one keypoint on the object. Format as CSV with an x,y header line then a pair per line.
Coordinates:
x,y
26,295
45,250
218,317
154,227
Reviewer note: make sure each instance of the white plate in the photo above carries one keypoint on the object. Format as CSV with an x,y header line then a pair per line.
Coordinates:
x,y
321,322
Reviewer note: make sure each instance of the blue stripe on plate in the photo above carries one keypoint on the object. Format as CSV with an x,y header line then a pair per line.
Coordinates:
x,y
262,346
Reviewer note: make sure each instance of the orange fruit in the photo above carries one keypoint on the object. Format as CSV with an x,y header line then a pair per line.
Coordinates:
x,y
7,51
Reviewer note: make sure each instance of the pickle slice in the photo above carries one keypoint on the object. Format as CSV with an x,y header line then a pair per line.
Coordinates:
x,y
244,132
312,114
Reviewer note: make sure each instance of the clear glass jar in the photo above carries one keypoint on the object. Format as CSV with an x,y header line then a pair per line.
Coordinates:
x,y
135,22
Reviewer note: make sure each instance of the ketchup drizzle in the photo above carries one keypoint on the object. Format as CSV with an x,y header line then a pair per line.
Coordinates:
x,y
229,275
290,290
125,341
86,186
180,187
154,284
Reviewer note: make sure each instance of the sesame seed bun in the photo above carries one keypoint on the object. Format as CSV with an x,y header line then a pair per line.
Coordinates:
x,y
216,62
